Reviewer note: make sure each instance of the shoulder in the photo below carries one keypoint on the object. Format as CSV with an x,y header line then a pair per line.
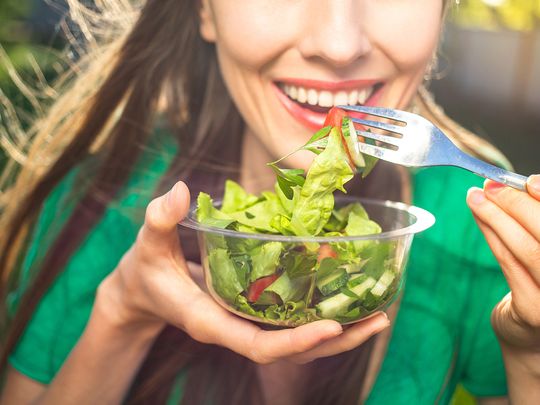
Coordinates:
x,y
62,313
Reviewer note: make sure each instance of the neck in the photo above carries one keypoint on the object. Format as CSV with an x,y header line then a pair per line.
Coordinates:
x,y
255,176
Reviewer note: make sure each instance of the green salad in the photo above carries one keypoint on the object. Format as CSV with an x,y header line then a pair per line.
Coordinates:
x,y
291,283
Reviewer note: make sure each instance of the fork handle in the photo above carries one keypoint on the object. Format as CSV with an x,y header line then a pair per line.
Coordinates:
x,y
493,172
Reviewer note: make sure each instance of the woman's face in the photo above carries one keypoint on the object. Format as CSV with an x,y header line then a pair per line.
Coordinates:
x,y
285,62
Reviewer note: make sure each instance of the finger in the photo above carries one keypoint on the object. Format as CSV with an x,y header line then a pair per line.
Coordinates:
x,y
521,243
516,275
207,322
533,186
524,208
350,339
163,215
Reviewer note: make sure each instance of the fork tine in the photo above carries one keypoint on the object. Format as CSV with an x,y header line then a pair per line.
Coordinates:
x,y
383,138
378,152
380,125
397,115
389,155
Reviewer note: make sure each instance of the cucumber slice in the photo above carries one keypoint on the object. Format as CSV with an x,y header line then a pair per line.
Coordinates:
x,y
333,281
355,267
383,283
339,303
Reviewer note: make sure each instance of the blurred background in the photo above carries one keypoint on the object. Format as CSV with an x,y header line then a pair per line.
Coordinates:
x,y
488,76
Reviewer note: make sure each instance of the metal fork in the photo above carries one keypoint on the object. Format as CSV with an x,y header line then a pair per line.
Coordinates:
x,y
420,143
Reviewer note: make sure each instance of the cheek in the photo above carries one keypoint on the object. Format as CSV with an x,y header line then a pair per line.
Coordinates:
x,y
408,34
251,33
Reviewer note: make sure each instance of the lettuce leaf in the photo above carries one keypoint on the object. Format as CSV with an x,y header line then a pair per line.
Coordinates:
x,y
236,198
265,260
289,289
298,264
360,225
224,276
244,306
207,214
338,219
260,215
328,172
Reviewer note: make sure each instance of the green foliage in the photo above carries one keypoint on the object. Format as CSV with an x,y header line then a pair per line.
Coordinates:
x,y
519,15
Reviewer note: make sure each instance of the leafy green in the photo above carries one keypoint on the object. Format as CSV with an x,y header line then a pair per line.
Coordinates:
x,y
339,280
242,265
370,161
236,198
244,306
328,173
282,225
315,144
259,215
359,225
338,219
224,277
289,289
207,214
265,260
299,263
288,178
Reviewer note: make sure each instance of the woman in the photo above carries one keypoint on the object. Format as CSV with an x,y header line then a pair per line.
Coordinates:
x,y
71,344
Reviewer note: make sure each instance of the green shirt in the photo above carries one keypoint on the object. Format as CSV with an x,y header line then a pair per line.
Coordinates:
x,y
442,335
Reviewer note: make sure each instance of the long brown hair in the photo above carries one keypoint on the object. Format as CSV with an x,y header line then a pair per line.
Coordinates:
x,y
155,64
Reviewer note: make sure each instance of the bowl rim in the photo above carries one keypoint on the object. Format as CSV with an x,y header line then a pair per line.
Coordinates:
x,y
424,220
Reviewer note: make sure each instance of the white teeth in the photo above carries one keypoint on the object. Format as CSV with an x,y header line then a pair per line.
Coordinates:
x,y
341,98
302,95
312,97
325,98
363,95
353,97
293,92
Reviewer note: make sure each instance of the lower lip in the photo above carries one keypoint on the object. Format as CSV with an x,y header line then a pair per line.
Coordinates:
x,y
311,119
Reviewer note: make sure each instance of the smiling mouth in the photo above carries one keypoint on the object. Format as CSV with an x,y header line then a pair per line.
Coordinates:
x,y
320,101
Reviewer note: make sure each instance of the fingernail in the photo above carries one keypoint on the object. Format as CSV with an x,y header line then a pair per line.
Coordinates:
x,y
169,197
492,186
383,320
533,183
476,196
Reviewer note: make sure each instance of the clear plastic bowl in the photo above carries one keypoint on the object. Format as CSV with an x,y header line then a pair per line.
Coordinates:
x,y
290,297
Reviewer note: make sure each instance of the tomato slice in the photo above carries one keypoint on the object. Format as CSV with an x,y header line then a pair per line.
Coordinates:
x,y
325,251
257,287
334,117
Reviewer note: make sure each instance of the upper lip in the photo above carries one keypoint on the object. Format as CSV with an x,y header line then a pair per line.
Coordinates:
x,y
344,85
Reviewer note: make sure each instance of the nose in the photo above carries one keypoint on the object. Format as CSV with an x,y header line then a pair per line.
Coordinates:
x,y
334,30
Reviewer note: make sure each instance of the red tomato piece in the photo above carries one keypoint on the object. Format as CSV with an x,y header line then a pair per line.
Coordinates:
x,y
257,287
334,117
326,251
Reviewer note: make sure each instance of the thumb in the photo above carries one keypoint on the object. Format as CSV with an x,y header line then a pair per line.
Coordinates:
x,y
533,186
164,213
